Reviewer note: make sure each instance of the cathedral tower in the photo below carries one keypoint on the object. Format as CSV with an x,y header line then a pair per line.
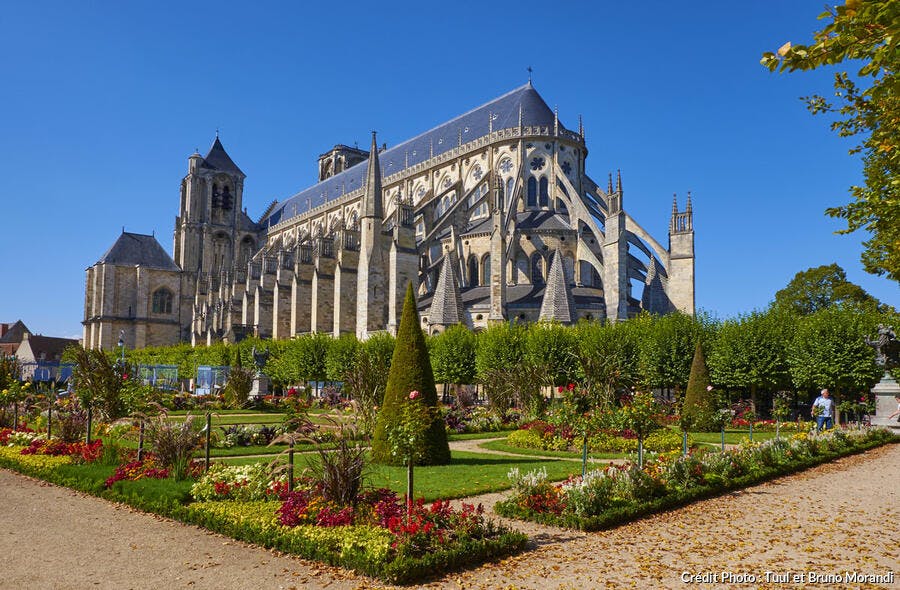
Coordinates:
x,y
681,258
371,294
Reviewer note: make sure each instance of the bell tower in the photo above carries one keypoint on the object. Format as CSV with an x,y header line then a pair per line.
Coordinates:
x,y
210,213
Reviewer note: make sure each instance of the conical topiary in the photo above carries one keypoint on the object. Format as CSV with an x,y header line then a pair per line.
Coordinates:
x,y
699,407
410,371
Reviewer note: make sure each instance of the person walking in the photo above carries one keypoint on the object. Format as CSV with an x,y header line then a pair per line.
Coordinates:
x,y
823,410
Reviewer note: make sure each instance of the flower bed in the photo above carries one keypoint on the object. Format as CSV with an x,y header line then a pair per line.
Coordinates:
x,y
547,437
374,537
619,494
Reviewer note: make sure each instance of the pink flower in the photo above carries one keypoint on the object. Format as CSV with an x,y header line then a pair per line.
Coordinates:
x,y
709,388
559,389
414,395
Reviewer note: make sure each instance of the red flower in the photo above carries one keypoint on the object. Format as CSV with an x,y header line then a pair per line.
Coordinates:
x,y
571,386
414,395
559,389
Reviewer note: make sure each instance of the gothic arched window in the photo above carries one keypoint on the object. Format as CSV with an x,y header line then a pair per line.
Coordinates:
x,y
545,196
486,270
537,269
532,192
473,271
162,301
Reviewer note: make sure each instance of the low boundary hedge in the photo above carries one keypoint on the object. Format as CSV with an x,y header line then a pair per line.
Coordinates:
x,y
620,515
401,570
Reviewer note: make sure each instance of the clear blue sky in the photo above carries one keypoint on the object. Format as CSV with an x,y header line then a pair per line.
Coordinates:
x,y
102,103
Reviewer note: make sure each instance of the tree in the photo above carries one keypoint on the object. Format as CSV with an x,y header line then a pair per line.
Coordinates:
x,y
98,383
501,367
551,348
817,288
410,371
608,355
867,32
700,404
667,348
453,355
750,352
341,357
829,350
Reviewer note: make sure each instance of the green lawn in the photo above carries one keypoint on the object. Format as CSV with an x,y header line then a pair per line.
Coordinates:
x,y
469,474
500,445
732,437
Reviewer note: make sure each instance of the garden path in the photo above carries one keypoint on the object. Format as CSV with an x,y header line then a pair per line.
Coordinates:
x,y
836,517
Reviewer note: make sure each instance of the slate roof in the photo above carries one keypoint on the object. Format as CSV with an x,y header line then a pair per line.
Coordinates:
x,y
541,220
446,305
524,296
15,333
558,304
469,126
218,159
133,249
51,347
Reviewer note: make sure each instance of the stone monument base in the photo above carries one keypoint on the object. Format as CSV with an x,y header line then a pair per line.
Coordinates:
x,y
885,404
260,387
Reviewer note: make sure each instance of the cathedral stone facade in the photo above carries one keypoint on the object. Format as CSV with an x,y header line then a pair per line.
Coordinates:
x,y
491,216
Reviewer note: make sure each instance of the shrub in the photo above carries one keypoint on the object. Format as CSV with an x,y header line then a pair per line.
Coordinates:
x,y
173,442
525,439
237,389
410,371
665,440
257,481
339,472
699,407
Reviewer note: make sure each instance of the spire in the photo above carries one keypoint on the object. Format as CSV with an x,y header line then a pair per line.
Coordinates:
x,y
446,305
490,122
558,304
521,115
674,205
556,120
372,206
609,185
689,206
581,127
218,159
619,182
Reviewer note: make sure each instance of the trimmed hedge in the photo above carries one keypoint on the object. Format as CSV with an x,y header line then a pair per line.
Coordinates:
x,y
410,371
623,514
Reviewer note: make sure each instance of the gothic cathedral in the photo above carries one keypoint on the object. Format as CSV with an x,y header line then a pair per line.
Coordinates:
x,y
491,215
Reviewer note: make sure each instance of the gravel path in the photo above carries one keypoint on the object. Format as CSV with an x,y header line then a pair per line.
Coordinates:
x,y
834,518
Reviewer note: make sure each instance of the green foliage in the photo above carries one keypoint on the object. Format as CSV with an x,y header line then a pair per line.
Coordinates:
x,y
453,355
410,371
339,471
750,352
509,380
864,32
667,347
828,350
817,288
173,442
98,383
238,386
608,356
552,350
298,360
700,406
340,359
642,414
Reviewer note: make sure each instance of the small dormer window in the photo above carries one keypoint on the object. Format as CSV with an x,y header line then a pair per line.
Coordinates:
x,y
162,301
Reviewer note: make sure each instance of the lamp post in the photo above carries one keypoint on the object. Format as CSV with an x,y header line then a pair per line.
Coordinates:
x,y
122,346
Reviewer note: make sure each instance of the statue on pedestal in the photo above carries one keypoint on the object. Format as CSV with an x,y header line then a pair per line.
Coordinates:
x,y
260,380
886,390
